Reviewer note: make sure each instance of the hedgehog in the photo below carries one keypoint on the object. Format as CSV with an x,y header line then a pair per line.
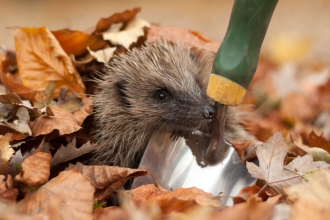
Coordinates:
x,y
160,87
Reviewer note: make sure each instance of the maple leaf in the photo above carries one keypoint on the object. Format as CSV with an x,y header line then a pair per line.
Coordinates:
x,y
272,169
133,30
70,151
41,59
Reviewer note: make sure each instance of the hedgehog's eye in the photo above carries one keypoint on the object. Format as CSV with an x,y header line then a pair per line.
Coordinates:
x,y
161,95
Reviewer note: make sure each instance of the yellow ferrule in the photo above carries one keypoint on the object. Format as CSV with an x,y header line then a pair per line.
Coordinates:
x,y
224,90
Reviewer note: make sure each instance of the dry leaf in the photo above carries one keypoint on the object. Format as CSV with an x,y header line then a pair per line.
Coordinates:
x,y
181,36
8,193
36,169
6,151
42,60
62,121
132,32
311,199
112,212
253,209
70,187
105,23
77,42
248,191
319,154
18,158
104,55
319,141
107,179
70,151
246,150
177,200
84,111
272,169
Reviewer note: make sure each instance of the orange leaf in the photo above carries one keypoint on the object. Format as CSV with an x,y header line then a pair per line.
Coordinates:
x,y
249,191
177,200
36,169
112,212
70,189
84,111
76,42
62,121
107,179
105,23
318,141
8,193
41,59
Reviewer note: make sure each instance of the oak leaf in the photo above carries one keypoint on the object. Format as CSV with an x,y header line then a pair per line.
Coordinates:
x,y
272,169
132,32
70,151
36,169
107,179
77,42
6,151
177,200
62,121
41,60
8,193
73,191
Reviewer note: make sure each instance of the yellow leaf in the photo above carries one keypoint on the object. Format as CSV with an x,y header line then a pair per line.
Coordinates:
x,y
41,59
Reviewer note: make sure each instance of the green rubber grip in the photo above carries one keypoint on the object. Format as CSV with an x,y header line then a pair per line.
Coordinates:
x,y
238,55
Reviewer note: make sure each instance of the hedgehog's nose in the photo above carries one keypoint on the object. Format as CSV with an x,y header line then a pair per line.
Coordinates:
x,y
209,112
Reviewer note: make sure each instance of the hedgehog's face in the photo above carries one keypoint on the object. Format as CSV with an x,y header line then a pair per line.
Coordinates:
x,y
163,87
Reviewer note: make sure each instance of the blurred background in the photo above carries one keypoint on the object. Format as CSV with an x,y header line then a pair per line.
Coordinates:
x,y
296,24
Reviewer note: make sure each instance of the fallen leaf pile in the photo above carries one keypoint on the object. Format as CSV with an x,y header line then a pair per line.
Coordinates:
x,y
45,122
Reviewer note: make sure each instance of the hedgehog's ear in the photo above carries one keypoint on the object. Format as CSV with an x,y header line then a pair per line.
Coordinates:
x,y
122,91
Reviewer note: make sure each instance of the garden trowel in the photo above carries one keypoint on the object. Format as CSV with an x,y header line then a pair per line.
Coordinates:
x,y
207,161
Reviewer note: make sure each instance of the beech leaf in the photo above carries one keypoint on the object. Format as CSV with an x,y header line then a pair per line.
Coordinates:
x,y
71,188
36,169
41,59
6,151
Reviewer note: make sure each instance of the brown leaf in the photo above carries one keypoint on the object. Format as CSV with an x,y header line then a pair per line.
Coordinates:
x,y
14,87
62,121
185,37
84,111
177,200
8,193
319,141
71,188
76,42
246,150
253,209
42,60
304,209
247,192
107,179
105,23
112,212
6,151
36,169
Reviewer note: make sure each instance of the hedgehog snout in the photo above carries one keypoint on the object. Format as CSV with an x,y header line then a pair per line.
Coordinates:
x,y
208,111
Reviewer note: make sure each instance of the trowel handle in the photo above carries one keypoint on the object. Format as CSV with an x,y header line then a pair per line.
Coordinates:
x,y
237,58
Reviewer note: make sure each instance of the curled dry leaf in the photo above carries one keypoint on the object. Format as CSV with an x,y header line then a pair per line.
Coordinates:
x,y
272,169
70,151
62,121
105,23
6,151
77,42
246,150
107,179
8,193
41,60
84,111
253,209
70,187
319,141
104,55
177,200
311,199
319,154
36,169
245,193
132,32
175,34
